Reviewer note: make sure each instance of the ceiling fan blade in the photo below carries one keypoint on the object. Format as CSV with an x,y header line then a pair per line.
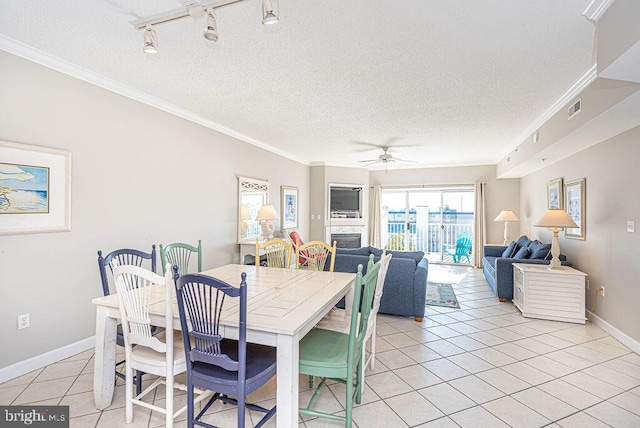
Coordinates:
x,y
371,163
370,160
404,160
364,143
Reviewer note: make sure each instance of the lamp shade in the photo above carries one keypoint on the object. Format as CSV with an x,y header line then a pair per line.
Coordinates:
x,y
244,212
506,215
267,212
556,218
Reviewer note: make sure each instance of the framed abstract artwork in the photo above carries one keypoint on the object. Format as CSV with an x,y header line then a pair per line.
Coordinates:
x,y
554,194
289,207
576,204
35,189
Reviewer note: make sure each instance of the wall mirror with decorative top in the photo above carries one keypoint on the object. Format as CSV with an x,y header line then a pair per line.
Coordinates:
x,y
252,194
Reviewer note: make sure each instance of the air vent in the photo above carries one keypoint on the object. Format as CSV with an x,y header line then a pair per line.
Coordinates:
x,y
574,109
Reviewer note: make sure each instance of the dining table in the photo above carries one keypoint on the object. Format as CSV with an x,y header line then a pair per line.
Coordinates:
x,y
283,305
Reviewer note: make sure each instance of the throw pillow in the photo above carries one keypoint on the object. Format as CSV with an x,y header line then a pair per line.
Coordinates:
x,y
510,250
376,252
539,250
523,253
523,241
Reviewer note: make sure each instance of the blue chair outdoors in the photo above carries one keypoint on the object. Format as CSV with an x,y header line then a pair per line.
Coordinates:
x,y
125,256
229,368
462,248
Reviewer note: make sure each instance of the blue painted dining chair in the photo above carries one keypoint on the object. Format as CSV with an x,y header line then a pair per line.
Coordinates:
x,y
124,256
229,368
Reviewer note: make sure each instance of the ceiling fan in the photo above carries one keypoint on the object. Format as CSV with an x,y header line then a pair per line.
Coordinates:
x,y
386,159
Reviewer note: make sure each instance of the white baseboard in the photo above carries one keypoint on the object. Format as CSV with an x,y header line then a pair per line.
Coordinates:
x,y
623,338
43,360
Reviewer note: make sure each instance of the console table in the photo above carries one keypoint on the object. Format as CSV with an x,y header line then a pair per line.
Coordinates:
x,y
552,294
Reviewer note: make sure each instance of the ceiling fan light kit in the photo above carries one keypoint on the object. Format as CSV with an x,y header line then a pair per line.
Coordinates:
x,y
386,159
196,10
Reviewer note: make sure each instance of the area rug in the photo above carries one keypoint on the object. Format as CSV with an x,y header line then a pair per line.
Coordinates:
x,y
440,294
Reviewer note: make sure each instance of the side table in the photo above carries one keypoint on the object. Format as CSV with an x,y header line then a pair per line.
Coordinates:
x,y
552,294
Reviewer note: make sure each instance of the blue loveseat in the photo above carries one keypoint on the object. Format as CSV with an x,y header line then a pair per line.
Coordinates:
x,y
405,286
497,262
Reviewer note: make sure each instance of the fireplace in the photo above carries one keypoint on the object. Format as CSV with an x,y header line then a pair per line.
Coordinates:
x,y
346,240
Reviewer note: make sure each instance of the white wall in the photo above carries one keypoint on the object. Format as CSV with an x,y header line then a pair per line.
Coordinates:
x,y
609,255
140,177
501,194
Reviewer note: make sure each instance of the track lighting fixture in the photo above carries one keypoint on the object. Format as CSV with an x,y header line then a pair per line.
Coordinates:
x,y
150,41
195,10
268,16
211,32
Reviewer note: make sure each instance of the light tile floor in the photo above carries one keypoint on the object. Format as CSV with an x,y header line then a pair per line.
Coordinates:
x,y
483,365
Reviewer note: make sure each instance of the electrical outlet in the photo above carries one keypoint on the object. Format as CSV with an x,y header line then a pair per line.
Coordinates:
x,y
602,291
631,226
313,217
23,321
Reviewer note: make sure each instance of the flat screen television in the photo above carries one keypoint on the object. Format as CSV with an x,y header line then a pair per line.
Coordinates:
x,y
345,200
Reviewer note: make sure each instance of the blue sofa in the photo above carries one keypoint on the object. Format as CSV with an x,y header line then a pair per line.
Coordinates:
x,y
405,287
498,269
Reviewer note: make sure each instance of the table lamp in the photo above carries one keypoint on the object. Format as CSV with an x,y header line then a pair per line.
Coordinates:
x,y
245,215
556,219
267,213
506,216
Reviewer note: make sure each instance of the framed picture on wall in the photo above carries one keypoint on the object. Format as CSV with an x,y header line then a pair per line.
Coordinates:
x,y
289,207
575,201
554,194
35,189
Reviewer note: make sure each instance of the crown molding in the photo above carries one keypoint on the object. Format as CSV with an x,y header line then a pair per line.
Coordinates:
x,y
596,8
63,66
399,166
573,91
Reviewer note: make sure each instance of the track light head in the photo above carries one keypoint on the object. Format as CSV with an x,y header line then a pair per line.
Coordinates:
x,y
211,32
150,41
268,16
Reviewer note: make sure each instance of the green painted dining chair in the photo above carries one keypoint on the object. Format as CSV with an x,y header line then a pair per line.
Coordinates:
x,y
178,254
462,249
331,355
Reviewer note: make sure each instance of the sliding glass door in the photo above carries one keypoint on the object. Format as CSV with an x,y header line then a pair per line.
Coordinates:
x,y
429,220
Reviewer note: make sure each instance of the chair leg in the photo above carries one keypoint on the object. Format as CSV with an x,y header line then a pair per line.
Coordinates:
x,y
128,393
168,400
373,346
363,362
241,411
138,382
349,403
189,404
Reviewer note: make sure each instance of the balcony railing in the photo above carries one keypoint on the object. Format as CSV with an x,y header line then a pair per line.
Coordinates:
x,y
424,237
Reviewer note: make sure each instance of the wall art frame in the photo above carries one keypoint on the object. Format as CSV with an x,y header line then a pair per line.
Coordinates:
x,y
555,193
575,198
289,207
35,189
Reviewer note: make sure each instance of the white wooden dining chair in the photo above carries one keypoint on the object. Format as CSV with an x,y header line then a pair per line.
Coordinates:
x,y
339,319
150,354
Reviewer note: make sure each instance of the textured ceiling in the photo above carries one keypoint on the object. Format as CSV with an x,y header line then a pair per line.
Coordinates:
x,y
456,80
